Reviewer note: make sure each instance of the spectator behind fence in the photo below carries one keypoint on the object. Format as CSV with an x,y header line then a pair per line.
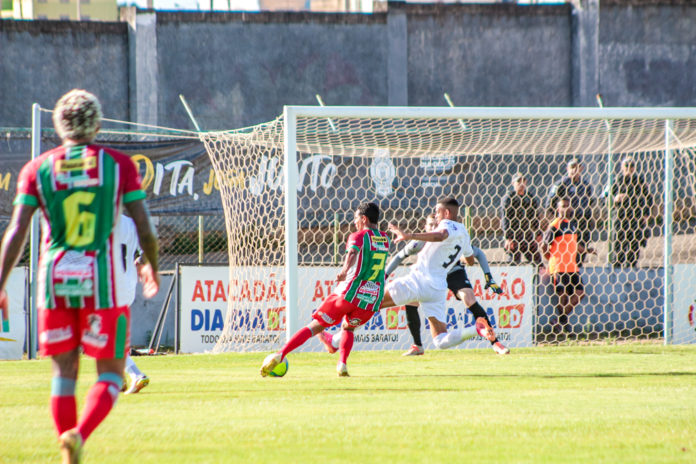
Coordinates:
x,y
521,223
631,212
560,246
579,192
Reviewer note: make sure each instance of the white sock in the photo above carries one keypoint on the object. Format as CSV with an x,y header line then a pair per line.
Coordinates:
x,y
131,368
336,339
454,337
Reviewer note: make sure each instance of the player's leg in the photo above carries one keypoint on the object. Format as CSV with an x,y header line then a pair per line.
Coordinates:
x,y
59,338
328,314
458,282
414,325
105,338
138,380
435,311
354,318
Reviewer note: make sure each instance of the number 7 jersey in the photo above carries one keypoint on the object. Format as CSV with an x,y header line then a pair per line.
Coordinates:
x,y
80,190
364,284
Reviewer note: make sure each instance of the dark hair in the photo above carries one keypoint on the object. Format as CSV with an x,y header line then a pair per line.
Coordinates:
x,y
370,211
562,198
450,202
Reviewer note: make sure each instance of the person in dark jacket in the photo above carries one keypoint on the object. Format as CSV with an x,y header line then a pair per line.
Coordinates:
x,y
632,205
520,223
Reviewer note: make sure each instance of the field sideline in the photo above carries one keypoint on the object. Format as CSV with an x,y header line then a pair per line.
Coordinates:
x,y
629,403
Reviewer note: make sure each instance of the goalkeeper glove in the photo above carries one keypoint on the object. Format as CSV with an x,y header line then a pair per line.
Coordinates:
x,y
490,283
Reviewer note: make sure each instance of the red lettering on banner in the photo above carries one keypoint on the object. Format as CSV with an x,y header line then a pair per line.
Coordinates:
x,y
517,288
219,292
505,289
231,290
272,293
209,287
329,286
282,291
318,291
246,292
510,317
259,294
198,292
478,290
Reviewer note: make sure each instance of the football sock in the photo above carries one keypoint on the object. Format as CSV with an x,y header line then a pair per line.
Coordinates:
x,y
336,339
478,311
100,399
346,345
414,324
454,337
63,405
131,368
301,336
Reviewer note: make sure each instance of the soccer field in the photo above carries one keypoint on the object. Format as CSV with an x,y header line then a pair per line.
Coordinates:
x,y
630,403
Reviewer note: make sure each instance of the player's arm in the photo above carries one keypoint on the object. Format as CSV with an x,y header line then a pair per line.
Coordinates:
x,y
410,249
348,262
148,243
434,236
12,247
483,262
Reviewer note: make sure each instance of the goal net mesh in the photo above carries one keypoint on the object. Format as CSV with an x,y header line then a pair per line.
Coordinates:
x,y
406,165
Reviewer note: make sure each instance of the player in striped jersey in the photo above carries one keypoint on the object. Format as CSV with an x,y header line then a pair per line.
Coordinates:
x,y
80,189
359,292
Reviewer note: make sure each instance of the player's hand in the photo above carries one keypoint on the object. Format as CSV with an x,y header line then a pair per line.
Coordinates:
x,y
490,283
150,280
400,236
341,276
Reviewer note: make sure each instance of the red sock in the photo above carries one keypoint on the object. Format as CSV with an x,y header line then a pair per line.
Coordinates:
x,y
64,411
346,345
100,399
296,340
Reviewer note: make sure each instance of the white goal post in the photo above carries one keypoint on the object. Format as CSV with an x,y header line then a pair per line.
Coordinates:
x,y
497,142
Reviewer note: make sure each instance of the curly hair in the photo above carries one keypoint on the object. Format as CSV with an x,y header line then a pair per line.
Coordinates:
x,y
77,115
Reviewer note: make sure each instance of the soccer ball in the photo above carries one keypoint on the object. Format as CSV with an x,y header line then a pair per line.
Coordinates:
x,y
281,369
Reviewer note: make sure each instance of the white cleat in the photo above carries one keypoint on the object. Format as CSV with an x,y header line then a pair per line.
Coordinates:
x,y
271,361
138,384
415,350
500,348
342,370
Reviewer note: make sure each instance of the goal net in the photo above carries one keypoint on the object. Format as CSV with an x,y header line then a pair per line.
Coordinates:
x,y
616,167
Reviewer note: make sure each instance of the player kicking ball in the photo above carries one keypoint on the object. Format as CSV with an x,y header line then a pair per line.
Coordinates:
x,y
358,295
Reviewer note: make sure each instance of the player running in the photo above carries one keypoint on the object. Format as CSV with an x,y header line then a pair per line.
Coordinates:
x,y
458,283
426,282
359,292
126,235
80,188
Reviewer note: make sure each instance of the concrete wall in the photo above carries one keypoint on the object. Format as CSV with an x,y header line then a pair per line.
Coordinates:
x,y
240,69
647,54
41,60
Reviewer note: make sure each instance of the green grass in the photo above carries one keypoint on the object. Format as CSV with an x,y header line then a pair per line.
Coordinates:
x,y
630,403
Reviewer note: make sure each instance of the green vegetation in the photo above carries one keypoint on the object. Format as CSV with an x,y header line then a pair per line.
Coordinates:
x,y
599,404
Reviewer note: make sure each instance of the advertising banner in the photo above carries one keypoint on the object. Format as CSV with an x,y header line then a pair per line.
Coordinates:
x,y
259,316
12,340
684,314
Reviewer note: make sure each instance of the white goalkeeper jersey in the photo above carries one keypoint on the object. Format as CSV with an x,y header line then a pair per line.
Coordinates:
x,y
437,258
126,239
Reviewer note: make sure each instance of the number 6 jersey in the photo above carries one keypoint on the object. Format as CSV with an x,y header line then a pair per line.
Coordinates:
x,y
80,190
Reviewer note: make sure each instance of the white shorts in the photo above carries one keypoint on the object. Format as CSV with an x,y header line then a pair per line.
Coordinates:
x,y
411,289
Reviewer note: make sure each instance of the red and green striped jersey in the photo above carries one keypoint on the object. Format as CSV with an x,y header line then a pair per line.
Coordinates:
x,y
364,284
80,190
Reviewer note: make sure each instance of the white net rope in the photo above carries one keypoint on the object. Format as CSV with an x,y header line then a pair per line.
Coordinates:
x,y
405,165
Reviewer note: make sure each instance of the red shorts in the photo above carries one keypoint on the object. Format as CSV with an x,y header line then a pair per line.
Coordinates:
x,y
335,308
102,333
